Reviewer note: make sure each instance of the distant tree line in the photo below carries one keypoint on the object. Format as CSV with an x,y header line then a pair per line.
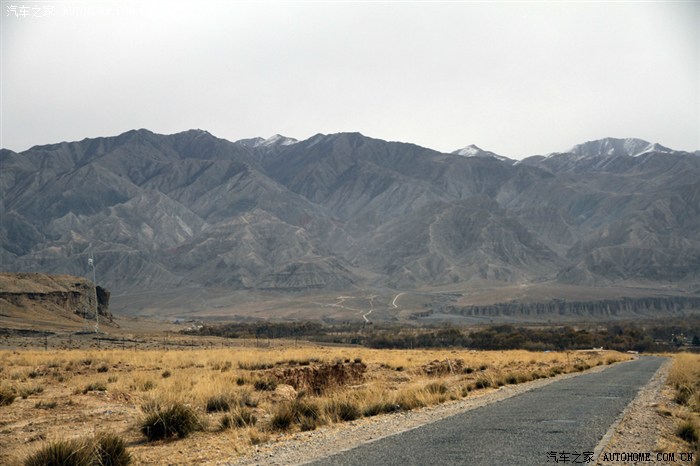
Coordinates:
x,y
649,337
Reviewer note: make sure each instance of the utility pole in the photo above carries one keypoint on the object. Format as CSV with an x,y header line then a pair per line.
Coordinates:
x,y
91,263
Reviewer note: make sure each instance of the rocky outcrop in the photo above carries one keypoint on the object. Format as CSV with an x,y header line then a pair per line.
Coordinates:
x,y
75,295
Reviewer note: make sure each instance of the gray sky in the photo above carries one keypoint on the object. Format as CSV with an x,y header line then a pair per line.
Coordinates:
x,y
514,78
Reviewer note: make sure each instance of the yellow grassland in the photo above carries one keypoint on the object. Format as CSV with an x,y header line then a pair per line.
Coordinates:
x,y
96,391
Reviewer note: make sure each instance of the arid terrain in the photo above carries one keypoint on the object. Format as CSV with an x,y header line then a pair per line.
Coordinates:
x,y
241,395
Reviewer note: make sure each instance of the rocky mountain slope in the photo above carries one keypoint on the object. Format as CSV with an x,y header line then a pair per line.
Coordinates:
x,y
345,211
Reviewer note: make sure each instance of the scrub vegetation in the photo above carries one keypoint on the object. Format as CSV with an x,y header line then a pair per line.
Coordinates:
x,y
234,398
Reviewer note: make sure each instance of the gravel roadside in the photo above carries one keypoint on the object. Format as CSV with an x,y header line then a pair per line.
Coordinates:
x,y
641,427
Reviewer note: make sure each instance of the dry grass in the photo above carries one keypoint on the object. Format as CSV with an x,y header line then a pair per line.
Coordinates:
x,y
236,398
102,449
684,378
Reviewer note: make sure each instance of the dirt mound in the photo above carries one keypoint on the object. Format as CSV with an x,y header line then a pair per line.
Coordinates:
x,y
448,366
318,379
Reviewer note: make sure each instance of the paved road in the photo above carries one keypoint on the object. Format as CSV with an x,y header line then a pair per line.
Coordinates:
x,y
565,416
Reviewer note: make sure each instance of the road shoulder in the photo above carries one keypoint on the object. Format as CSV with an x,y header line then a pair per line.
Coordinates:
x,y
641,427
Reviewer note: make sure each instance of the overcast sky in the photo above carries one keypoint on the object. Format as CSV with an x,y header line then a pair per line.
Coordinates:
x,y
514,78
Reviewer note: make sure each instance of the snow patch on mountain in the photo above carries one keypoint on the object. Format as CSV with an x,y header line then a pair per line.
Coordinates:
x,y
475,151
276,140
613,147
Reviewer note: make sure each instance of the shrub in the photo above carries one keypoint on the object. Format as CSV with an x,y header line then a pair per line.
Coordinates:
x,y
683,395
436,388
7,396
688,432
256,437
110,450
241,418
47,405
246,399
265,385
240,381
173,420
307,414
166,374
219,403
95,387
409,400
226,422
482,383
380,407
24,392
147,385
304,413
103,368
60,453
101,450
283,418
340,410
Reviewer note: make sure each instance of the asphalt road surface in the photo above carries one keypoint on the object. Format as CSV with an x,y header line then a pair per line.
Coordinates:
x,y
569,416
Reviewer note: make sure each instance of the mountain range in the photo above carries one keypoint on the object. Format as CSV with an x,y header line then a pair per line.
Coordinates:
x,y
346,212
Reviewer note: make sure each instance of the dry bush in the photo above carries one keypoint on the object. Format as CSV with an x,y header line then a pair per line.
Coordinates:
x,y
342,410
101,450
305,414
688,431
62,453
7,396
242,417
29,390
175,419
219,403
95,387
266,384
257,437
409,399
110,450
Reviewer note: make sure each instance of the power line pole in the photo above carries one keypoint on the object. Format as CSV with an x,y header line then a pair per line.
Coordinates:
x,y
91,263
